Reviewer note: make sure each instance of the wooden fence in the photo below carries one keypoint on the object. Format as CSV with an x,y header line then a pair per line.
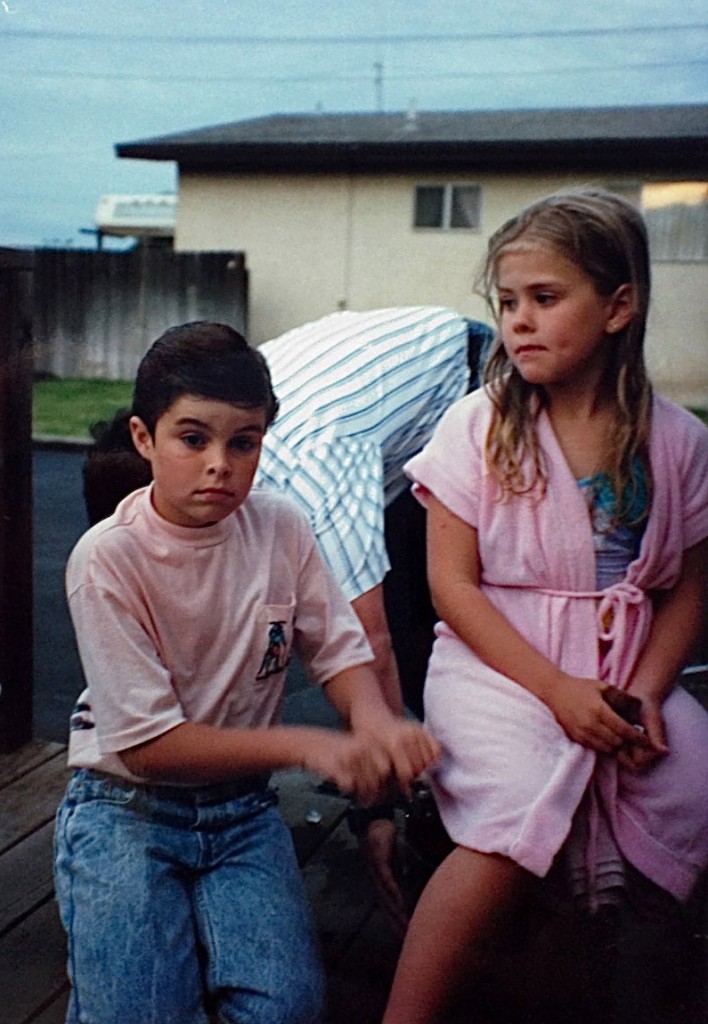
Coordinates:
x,y
96,313
15,499
79,314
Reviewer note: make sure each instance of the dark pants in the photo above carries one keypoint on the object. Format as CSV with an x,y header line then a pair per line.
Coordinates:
x,y
410,613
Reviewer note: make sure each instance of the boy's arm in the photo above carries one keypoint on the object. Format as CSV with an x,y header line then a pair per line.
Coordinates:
x,y
196,754
355,693
360,762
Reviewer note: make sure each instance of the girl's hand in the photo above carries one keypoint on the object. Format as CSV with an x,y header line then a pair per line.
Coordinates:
x,y
410,747
357,764
587,719
640,758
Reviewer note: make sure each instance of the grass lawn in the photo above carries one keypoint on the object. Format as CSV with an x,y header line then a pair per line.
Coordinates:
x,y
68,408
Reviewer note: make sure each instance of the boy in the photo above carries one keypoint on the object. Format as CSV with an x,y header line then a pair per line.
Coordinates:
x,y
176,879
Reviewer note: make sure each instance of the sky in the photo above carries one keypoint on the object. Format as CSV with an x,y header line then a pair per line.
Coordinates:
x,y
79,76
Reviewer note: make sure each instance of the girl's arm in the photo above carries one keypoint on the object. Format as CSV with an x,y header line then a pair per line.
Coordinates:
x,y
679,618
454,571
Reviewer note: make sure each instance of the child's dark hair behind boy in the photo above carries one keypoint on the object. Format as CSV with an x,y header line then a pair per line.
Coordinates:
x,y
202,358
112,468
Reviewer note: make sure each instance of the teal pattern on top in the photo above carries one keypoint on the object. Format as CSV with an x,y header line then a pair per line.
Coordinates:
x,y
615,545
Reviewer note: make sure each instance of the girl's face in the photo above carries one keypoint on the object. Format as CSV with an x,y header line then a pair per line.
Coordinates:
x,y
204,456
555,326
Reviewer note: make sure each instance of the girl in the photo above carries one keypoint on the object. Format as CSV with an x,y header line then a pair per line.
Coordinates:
x,y
567,531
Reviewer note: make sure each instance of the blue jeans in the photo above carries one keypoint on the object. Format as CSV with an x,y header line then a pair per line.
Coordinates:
x,y
181,902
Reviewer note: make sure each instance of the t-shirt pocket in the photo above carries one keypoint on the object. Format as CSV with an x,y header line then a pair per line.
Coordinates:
x,y
275,636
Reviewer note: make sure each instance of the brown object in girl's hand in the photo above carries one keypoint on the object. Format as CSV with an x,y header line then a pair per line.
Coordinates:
x,y
623,704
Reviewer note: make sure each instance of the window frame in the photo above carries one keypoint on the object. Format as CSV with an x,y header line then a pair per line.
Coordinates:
x,y
448,193
666,244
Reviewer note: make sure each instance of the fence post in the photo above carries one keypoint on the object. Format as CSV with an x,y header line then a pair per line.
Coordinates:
x,y
15,498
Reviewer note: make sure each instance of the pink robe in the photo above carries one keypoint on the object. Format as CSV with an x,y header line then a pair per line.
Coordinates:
x,y
510,779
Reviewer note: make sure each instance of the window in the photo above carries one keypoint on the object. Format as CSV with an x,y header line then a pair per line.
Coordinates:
x,y
677,220
447,207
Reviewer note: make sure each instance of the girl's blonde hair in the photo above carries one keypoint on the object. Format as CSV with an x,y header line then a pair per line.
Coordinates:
x,y
605,236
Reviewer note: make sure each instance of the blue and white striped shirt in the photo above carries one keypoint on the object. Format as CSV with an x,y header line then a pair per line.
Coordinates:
x,y
360,393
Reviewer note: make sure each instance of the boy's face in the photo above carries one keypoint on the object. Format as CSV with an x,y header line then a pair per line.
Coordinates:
x,y
204,456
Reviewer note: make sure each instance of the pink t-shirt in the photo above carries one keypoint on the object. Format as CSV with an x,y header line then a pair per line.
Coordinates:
x,y
176,624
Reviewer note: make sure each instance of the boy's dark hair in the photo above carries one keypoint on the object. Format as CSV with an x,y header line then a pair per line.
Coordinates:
x,y
112,467
201,358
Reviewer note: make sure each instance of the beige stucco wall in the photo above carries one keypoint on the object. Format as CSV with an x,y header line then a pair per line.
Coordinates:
x,y
677,338
314,244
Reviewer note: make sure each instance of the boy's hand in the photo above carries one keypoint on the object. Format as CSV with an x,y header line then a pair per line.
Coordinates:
x,y
407,747
356,763
410,747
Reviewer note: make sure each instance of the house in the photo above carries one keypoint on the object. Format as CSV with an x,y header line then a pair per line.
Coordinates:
x,y
355,211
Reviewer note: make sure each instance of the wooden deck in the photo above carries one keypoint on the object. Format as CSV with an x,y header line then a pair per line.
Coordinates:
x,y
358,947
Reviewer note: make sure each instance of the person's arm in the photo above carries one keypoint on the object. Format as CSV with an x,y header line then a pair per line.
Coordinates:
x,y
376,828
371,611
454,570
357,696
679,617
196,754
412,751
360,762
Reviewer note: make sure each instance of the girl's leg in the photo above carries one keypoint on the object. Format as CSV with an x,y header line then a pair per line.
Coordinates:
x,y
460,914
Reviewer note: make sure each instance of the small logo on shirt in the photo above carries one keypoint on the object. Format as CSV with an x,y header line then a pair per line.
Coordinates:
x,y
81,717
275,658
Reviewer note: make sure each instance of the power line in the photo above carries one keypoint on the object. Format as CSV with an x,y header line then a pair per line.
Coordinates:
x,y
370,40
428,76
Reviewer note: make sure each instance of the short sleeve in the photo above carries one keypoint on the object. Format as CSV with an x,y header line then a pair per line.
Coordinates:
x,y
452,464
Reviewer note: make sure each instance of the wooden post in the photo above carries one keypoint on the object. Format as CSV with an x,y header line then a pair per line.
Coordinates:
x,y
15,498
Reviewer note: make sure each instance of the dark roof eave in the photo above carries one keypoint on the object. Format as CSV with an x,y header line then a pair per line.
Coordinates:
x,y
678,154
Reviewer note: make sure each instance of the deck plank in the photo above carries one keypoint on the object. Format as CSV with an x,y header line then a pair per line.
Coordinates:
x,y
359,948
340,892
32,965
301,795
26,876
54,1012
30,801
359,983
13,766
